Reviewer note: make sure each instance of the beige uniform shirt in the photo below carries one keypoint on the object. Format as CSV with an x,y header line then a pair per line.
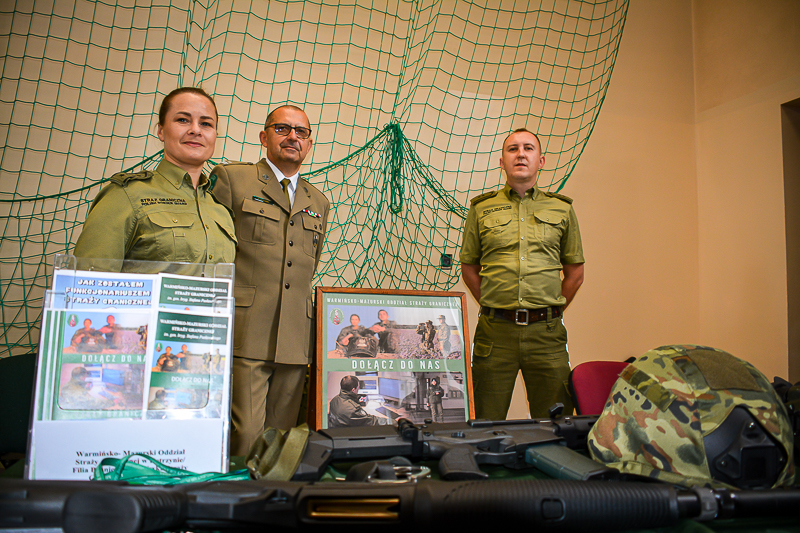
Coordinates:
x,y
521,245
158,216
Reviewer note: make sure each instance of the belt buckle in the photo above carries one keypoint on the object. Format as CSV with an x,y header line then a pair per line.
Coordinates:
x,y
527,317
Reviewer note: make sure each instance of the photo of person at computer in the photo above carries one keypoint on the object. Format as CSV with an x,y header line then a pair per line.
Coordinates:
x,y
355,399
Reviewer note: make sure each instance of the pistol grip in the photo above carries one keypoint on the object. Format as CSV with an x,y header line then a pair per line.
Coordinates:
x,y
459,464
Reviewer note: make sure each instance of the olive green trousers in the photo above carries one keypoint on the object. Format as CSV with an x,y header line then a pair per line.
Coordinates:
x,y
502,349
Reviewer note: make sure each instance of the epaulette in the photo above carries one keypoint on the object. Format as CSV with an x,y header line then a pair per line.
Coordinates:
x,y
227,163
559,196
481,197
122,178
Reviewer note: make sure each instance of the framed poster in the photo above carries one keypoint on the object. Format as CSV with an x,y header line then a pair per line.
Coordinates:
x,y
389,354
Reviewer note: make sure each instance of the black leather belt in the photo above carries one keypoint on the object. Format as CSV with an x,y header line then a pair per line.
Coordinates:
x,y
523,317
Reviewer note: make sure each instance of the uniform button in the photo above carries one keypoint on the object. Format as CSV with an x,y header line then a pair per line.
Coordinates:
x,y
175,220
522,238
522,259
261,211
522,220
520,299
286,285
291,243
211,257
291,222
288,263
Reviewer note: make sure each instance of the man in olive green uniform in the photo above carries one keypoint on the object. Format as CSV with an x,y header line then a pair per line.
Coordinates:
x,y
280,222
88,339
517,242
75,393
443,331
346,409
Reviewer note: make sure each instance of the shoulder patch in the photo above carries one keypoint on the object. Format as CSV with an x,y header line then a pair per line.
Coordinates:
x,y
122,178
559,196
485,196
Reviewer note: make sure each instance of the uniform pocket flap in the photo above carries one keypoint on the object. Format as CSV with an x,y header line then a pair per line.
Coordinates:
x,y
172,220
482,349
244,295
228,230
312,223
494,220
553,218
261,209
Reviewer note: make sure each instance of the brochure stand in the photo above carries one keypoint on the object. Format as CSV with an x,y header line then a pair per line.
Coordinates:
x,y
134,357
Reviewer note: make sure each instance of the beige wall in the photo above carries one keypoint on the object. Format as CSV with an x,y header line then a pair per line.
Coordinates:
x,y
741,84
680,190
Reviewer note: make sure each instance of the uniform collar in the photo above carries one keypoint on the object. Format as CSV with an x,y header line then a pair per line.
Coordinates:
x,y
176,176
280,176
511,193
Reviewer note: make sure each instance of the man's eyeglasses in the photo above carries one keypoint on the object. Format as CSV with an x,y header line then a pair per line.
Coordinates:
x,y
284,129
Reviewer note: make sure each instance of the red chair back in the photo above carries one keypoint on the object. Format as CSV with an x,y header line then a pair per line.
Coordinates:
x,y
590,384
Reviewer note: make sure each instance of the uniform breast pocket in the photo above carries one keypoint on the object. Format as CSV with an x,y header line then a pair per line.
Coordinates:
x,y
550,227
498,230
260,222
312,238
172,234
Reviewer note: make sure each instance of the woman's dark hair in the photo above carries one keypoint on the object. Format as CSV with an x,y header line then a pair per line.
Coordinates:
x,y
164,109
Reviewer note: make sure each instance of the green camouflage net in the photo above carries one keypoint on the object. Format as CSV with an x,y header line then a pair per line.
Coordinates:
x,y
409,102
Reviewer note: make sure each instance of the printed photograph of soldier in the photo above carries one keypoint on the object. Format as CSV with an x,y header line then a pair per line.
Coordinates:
x,y
188,359
167,361
100,387
385,329
357,341
375,398
213,363
87,339
415,335
118,334
193,402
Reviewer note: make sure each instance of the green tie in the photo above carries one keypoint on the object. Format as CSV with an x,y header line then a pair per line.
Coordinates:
x,y
285,184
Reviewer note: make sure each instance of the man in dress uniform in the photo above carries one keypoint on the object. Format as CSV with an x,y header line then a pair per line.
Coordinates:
x,y
281,221
517,243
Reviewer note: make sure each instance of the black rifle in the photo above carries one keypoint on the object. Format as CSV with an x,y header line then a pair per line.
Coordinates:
x,y
461,447
553,505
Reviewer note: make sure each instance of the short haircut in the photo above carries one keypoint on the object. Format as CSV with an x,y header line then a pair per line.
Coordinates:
x,y
349,383
522,130
272,113
355,315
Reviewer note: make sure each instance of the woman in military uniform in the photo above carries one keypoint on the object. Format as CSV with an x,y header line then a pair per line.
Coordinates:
x,y
167,214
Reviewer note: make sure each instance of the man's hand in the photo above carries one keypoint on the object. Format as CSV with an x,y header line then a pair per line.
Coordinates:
x,y
573,279
471,274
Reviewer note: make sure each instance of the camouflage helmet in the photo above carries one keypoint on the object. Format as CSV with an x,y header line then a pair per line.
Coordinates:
x,y
694,415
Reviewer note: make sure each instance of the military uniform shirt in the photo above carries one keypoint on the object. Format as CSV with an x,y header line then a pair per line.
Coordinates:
x,y
158,216
521,244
